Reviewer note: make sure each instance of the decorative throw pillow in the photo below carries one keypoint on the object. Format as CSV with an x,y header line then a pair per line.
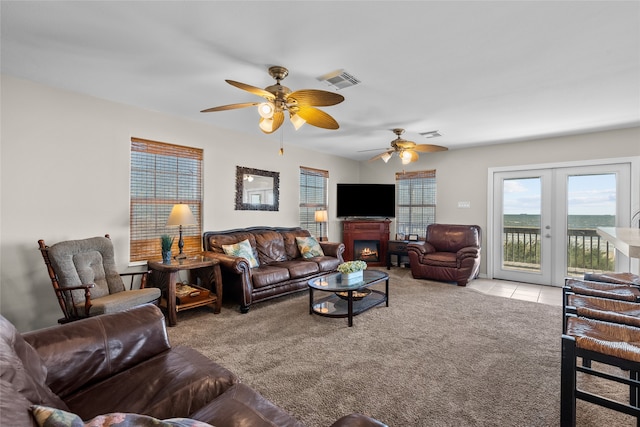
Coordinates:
x,y
51,417
242,249
309,247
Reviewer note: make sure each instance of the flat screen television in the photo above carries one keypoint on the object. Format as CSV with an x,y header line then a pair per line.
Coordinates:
x,y
366,200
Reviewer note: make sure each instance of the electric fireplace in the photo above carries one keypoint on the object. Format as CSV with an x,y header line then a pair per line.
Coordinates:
x,y
366,240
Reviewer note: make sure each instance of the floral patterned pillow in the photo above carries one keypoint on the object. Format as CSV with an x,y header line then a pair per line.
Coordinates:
x,y
242,249
309,247
52,417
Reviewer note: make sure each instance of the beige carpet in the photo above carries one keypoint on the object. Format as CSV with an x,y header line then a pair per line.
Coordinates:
x,y
439,355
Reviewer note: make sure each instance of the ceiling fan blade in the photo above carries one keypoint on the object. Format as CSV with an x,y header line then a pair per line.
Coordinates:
x,y
315,97
271,125
317,118
230,107
428,148
373,149
278,119
252,89
379,156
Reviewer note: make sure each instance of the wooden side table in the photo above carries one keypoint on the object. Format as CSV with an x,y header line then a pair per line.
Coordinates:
x,y
399,249
165,276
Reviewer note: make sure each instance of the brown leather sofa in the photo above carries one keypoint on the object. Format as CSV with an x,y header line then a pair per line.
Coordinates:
x,y
282,269
123,363
450,253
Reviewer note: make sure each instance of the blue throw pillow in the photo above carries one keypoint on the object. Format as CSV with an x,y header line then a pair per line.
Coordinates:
x,y
309,247
242,249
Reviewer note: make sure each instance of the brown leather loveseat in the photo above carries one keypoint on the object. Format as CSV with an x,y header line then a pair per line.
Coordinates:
x,y
122,364
450,253
281,268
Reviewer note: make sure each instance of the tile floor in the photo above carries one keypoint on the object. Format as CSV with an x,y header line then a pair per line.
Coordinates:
x,y
524,291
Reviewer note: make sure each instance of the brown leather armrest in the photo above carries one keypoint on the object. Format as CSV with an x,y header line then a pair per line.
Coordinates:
x,y
421,248
334,249
88,350
469,252
236,264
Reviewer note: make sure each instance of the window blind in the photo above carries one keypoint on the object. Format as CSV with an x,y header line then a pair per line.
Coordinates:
x,y
162,175
313,197
415,201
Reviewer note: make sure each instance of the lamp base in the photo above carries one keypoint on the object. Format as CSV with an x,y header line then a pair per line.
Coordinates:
x,y
180,256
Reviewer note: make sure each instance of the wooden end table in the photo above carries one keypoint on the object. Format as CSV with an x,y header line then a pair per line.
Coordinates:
x,y
165,276
397,248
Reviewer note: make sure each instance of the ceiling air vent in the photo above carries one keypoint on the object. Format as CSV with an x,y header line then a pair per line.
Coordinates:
x,y
339,79
431,134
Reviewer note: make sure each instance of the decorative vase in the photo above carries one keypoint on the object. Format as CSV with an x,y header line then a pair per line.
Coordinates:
x,y
356,276
166,257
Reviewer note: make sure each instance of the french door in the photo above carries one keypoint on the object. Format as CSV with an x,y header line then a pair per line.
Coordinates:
x,y
544,221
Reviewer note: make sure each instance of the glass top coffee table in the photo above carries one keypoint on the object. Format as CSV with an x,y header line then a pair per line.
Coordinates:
x,y
347,298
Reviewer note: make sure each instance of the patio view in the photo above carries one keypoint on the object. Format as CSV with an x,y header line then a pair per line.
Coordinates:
x,y
586,250
591,203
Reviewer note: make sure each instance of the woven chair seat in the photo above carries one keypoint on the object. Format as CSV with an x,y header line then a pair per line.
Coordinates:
x,y
619,278
604,290
611,339
605,309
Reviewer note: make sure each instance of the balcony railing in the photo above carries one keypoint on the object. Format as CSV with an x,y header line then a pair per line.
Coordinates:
x,y
586,251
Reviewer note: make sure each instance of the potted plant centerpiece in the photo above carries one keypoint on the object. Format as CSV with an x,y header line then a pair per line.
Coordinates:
x,y
352,270
166,241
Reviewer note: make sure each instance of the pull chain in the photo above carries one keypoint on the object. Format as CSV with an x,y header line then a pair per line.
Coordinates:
x,y
281,151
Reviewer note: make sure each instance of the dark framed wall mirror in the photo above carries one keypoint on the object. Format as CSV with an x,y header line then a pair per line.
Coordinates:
x,y
257,190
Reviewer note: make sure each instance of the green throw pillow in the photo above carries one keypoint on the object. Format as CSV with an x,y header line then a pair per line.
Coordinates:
x,y
52,417
242,249
309,247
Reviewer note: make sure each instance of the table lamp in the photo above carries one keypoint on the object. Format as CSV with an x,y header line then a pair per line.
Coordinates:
x,y
321,216
181,215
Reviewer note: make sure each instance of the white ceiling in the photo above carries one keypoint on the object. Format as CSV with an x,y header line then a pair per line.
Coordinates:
x,y
479,72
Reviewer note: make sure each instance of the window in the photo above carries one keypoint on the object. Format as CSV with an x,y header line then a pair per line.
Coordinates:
x,y
313,197
163,175
415,202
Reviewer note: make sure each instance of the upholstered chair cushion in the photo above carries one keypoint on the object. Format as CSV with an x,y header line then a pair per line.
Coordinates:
x,y
92,261
270,247
82,262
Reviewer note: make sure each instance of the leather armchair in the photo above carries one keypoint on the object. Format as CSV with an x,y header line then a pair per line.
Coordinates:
x,y
450,253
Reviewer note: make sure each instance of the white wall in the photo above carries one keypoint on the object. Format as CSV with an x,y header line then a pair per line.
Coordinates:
x,y
65,175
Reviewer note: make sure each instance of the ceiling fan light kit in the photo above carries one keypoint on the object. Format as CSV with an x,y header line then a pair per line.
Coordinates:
x,y
407,150
300,104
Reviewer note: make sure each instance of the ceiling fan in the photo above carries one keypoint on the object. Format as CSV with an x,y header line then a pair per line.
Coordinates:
x,y
407,150
300,104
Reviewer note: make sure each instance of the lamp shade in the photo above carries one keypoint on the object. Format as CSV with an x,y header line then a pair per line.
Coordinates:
x,y
321,216
181,215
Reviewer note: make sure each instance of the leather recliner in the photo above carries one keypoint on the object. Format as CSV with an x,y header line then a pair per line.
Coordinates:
x,y
450,253
122,363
